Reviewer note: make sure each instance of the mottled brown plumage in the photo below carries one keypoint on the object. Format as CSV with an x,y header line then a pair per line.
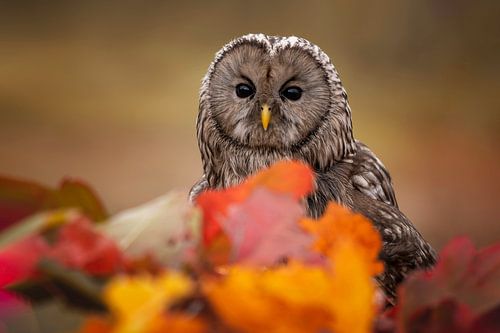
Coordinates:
x,y
311,122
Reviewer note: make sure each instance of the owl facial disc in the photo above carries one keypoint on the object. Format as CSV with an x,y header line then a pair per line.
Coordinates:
x,y
265,115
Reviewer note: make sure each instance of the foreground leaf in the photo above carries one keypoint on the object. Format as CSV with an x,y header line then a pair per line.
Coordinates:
x,y
264,230
76,245
80,245
290,298
72,287
286,177
20,198
18,261
166,228
138,302
464,286
353,288
35,224
339,226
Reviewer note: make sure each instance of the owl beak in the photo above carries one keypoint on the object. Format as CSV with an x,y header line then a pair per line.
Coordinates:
x,y
265,115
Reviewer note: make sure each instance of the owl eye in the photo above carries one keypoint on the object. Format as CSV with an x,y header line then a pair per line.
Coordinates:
x,y
244,90
292,93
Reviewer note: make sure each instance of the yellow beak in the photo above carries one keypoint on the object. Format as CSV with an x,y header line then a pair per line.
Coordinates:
x,y
265,116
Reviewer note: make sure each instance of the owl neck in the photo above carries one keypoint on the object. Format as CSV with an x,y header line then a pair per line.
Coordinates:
x,y
227,164
230,166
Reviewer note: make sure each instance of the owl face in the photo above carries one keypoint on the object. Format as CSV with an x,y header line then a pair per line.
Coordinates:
x,y
268,98
263,98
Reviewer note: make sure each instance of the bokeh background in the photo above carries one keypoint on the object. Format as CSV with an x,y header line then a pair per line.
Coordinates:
x,y
108,92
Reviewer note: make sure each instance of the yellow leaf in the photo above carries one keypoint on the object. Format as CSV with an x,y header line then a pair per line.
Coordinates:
x,y
137,301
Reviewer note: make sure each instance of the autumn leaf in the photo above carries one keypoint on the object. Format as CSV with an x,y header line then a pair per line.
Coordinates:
x,y
276,300
38,223
465,284
75,244
165,228
80,245
338,226
353,288
95,324
76,193
264,229
295,298
177,323
18,260
137,302
286,177
20,198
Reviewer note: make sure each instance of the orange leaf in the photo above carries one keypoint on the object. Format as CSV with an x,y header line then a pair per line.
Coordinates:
x,y
297,298
339,225
96,324
294,178
274,301
287,177
353,284
177,323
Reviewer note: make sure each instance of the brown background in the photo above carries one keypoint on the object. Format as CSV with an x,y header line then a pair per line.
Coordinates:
x,y
107,91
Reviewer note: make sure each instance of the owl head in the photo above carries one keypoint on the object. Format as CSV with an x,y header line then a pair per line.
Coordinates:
x,y
266,98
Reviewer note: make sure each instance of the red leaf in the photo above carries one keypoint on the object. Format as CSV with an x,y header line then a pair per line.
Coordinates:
x,y
447,316
79,245
489,322
264,229
18,261
19,199
468,278
292,178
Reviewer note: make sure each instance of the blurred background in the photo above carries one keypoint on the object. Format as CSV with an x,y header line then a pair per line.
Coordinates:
x,y
108,92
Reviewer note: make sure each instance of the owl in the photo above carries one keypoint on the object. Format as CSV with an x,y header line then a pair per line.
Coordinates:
x,y
267,98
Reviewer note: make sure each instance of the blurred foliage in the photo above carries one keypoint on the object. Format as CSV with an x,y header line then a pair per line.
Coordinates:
x,y
272,258
108,91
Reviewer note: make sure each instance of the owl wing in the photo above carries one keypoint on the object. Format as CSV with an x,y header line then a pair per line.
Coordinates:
x,y
370,176
404,247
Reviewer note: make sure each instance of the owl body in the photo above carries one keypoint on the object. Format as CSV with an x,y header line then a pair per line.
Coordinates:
x,y
265,99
